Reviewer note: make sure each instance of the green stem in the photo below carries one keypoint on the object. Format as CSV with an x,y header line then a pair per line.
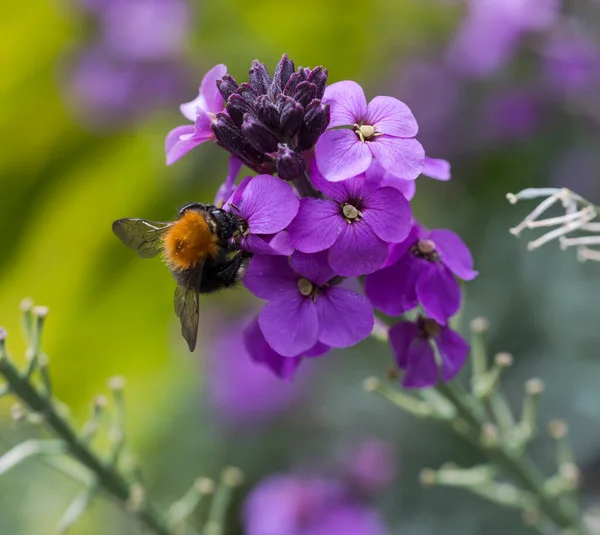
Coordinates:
x,y
107,477
520,469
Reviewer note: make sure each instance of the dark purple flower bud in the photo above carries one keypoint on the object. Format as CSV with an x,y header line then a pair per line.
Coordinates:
x,y
290,164
230,137
318,76
260,135
294,80
267,111
305,92
247,91
259,78
227,86
283,71
315,122
291,116
237,107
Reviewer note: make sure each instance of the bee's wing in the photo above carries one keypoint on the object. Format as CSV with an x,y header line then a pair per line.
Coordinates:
x,y
187,306
143,236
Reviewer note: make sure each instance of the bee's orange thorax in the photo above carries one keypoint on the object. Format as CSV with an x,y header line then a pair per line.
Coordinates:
x,y
189,240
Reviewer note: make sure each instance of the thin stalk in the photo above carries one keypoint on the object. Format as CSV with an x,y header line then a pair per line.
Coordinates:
x,y
108,477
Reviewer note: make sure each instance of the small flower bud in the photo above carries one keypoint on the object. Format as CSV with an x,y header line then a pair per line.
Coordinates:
x,y
557,428
237,107
291,117
233,476
290,164
318,76
259,78
227,86
267,111
204,485
427,477
371,384
231,138
304,93
504,360
17,412
479,325
534,386
261,136
293,82
116,383
315,123
40,311
283,72
26,304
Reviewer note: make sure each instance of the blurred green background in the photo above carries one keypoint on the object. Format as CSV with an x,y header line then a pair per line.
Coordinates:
x,y
65,175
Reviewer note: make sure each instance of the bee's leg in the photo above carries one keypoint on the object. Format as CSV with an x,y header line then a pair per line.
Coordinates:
x,y
234,271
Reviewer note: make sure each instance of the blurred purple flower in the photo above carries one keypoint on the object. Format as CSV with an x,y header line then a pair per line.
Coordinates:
x,y
242,391
201,111
371,465
492,29
159,31
572,58
267,204
307,505
421,270
104,90
512,114
304,306
411,343
354,225
384,129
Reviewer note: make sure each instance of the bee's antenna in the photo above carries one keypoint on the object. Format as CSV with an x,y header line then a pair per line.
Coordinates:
x,y
234,206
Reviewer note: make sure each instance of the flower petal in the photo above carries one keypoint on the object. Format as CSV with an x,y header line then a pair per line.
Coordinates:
x,y
341,155
313,267
227,188
347,103
454,253
271,277
454,350
345,318
438,292
318,350
281,243
392,289
357,251
257,245
209,99
345,190
377,176
401,157
176,147
317,225
261,352
392,117
402,335
421,368
388,214
268,204
290,326
437,168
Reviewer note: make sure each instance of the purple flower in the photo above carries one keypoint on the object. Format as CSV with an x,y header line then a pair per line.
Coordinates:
x,y
421,270
267,204
261,352
226,189
306,505
433,168
241,391
411,343
354,225
384,129
305,306
201,111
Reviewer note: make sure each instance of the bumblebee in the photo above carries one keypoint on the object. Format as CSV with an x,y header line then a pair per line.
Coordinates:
x,y
199,248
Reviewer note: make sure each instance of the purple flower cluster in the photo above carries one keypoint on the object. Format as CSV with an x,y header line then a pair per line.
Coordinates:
x,y
337,209
308,503
128,69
